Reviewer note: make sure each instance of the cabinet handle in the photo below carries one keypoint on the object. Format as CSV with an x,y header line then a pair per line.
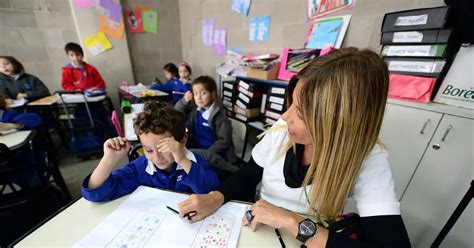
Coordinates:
x,y
438,146
424,126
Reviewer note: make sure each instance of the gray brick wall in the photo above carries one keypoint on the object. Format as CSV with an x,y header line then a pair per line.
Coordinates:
x,y
35,32
288,26
150,52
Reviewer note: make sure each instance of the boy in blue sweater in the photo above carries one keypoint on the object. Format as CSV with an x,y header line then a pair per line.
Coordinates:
x,y
167,164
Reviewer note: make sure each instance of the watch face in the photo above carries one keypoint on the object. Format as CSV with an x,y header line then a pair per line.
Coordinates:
x,y
307,228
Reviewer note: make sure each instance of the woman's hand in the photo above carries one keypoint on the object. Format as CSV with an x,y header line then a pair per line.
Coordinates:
x,y
21,96
202,204
188,96
271,215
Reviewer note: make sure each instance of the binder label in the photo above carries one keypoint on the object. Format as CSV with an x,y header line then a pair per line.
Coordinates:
x,y
407,37
416,66
244,85
411,20
276,90
278,100
227,93
228,85
410,50
241,104
244,97
276,106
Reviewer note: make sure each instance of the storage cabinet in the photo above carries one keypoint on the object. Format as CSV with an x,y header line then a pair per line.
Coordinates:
x,y
406,133
438,185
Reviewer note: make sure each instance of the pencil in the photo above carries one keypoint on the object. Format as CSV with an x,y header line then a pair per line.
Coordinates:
x,y
279,238
178,93
172,209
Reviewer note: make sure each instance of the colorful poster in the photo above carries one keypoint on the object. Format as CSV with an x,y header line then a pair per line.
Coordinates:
x,y
259,28
110,9
150,21
220,41
110,27
134,21
320,8
241,6
207,32
327,32
97,43
82,4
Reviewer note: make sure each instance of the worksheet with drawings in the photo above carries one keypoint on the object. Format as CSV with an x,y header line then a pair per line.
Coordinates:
x,y
144,221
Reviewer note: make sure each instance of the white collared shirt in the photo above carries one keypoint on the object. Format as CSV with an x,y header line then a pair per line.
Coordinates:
x,y
151,168
206,114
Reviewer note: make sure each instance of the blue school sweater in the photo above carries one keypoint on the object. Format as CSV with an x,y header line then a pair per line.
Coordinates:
x,y
173,85
28,120
200,180
203,133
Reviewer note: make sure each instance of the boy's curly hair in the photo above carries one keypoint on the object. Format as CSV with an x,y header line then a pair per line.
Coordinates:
x,y
158,118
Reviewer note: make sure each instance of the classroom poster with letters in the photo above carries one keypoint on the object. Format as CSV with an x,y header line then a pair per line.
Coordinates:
x,y
259,28
150,21
220,41
241,6
134,21
110,27
207,32
97,43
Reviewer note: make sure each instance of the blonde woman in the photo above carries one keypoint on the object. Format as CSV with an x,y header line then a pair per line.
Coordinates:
x,y
323,151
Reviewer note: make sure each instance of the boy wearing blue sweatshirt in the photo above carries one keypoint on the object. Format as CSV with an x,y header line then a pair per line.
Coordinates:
x,y
173,85
167,164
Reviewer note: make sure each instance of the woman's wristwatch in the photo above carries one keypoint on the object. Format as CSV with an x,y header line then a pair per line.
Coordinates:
x,y
306,229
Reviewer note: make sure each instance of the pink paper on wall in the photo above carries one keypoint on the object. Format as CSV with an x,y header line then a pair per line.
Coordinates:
x,y
83,4
220,41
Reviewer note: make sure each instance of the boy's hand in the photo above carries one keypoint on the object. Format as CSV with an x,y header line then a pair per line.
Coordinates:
x,y
173,146
116,147
8,102
188,96
21,96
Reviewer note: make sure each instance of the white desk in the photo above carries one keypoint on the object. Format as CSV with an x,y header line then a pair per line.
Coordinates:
x,y
74,222
16,139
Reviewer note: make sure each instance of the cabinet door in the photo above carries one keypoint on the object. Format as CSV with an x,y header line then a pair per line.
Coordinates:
x,y
406,133
439,183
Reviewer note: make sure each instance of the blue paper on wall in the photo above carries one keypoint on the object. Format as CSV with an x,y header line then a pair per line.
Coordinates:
x,y
324,33
241,6
259,28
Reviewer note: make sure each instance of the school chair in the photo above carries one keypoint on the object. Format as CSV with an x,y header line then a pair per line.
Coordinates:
x,y
239,137
116,122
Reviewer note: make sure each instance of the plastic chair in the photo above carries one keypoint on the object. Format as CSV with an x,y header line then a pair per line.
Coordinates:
x,y
116,121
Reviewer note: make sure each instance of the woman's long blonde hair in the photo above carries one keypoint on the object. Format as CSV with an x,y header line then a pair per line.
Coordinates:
x,y
342,100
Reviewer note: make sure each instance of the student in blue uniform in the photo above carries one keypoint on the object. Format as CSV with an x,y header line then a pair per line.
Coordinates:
x,y
173,85
167,164
209,128
11,119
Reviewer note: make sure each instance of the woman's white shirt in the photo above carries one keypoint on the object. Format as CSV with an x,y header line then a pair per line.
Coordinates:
x,y
373,190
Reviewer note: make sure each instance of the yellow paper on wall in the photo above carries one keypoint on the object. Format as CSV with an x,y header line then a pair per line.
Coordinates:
x,y
97,43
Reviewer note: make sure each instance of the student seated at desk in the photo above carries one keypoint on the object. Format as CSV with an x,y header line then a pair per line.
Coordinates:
x,y
79,75
167,164
209,128
173,85
16,84
11,119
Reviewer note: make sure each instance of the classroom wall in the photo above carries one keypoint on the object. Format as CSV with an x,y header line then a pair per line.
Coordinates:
x,y
114,65
288,26
35,31
150,52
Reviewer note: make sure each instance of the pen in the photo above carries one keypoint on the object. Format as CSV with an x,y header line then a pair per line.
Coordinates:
x,y
279,238
186,215
172,209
